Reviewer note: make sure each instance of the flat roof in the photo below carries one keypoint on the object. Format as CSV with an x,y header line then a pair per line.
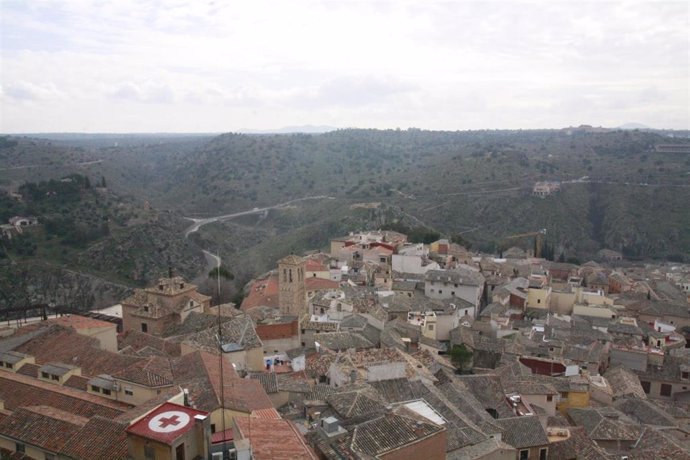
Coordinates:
x,y
166,423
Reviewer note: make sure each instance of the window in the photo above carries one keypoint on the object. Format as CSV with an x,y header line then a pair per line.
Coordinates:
x,y
549,398
684,375
19,447
9,366
440,291
49,456
129,392
45,375
55,377
542,453
213,427
146,308
431,327
665,389
452,292
95,389
524,454
149,452
106,392
538,300
144,327
645,386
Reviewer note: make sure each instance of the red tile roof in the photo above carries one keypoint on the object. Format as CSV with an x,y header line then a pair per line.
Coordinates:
x,y
221,436
320,284
274,439
42,426
243,394
166,423
80,322
312,265
270,414
100,438
63,345
263,292
19,391
139,340
78,382
155,371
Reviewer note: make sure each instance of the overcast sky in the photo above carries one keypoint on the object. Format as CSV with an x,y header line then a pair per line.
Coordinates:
x,y
211,66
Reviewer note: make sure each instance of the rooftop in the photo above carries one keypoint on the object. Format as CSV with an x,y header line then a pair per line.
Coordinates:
x,y
166,423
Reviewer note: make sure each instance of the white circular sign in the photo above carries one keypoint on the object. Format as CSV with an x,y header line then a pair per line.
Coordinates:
x,y
169,421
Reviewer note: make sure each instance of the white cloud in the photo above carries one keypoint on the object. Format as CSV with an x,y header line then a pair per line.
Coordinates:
x,y
126,65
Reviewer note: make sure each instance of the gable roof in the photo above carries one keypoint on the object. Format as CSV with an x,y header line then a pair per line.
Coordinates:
x,y
100,438
523,432
273,439
42,426
63,345
19,391
391,431
606,424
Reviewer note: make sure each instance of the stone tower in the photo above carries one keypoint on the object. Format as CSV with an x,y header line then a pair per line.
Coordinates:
x,y
292,296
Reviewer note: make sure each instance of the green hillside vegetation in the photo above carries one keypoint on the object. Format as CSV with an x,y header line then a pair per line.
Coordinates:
x,y
90,230
472,186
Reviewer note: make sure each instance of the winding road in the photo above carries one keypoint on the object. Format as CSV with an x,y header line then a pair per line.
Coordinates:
x,y
198,223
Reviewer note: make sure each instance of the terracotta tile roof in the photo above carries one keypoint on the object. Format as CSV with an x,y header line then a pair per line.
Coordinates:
x,y
63,345
21,391
138,341
42,426
262,292
78,382
80,322
222,436
100,438
270,414
314,265
319,284
273,439
243,394
153,372
29,369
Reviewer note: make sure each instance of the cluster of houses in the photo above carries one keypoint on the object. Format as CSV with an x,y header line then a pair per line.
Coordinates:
x,y
349,354
15,226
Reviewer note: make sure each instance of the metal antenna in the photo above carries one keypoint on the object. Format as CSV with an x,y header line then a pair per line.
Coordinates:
x,y
220,361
